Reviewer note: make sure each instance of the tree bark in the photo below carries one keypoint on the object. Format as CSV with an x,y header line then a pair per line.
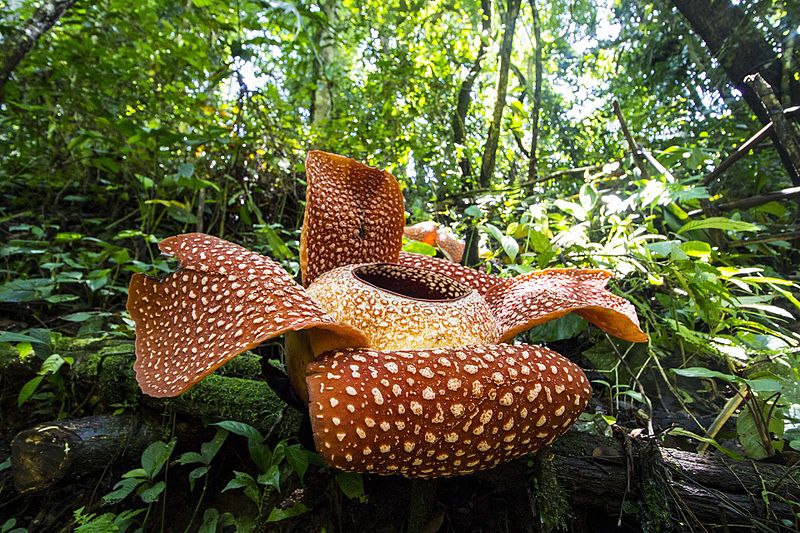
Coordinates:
x,y
322,103
23,41
664,486
493,137
741,49
465,95
533,161
43,455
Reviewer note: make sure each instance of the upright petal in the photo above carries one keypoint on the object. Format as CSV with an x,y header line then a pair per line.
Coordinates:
x,y
442,412
468,276
537,297
354,214
222,301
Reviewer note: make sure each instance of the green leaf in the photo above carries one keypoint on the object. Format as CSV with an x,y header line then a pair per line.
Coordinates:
x,y
351,485
196,474
698,372
189,458
696,249
259,453
417,247
156,456
52,364
210,449
28,389
749,434
210,521
278,514
510,246
8,336
721,223
297,457
271,478
122,490
151,494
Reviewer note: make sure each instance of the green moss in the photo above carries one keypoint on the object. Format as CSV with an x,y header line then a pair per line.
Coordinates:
x,y
552,506
654,511
253,402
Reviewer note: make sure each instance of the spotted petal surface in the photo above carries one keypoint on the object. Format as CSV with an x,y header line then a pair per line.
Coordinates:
x,y
223,301
537,297
442,412
354,214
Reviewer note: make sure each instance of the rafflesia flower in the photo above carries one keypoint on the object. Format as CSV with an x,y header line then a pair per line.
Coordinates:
x,y
403,359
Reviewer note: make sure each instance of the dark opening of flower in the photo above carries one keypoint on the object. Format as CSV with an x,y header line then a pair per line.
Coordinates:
x,y
400,356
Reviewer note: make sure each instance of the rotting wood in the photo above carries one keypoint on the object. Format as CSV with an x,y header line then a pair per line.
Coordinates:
x,y
102,375
709,488
45,454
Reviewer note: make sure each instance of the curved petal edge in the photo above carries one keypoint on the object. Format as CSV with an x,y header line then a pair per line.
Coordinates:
x,y
534,298
222,301
442,412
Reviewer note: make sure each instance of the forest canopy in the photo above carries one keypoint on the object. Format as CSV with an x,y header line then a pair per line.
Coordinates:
x,y
616,134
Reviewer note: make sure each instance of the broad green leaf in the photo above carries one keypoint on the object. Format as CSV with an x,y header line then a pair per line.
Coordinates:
x,y
351,485
297,457
196,474
696,249
28,389
156,456
748,431
122,490
721,223
151,494
418,247
277,514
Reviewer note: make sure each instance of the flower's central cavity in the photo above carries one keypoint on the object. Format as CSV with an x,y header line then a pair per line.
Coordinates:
x,y
403,308
410,282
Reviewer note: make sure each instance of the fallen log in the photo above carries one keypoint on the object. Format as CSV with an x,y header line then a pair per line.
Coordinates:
x,y
43,455
102,375
671,486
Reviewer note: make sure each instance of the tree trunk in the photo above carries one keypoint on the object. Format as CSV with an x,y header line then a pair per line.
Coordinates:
x,y
465,95
741,49
18,45
322,103
493,137
533,161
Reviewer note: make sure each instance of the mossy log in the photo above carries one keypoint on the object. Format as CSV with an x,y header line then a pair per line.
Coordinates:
x,y
671,488
48,453
102,372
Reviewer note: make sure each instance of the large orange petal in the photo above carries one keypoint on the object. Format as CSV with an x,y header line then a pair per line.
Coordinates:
x,y
442,412
222,301
536,297
354,214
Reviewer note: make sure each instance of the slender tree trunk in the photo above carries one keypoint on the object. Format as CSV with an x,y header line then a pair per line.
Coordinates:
x,y
533,161
465,94
19,44
322,103
741,49
493,137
